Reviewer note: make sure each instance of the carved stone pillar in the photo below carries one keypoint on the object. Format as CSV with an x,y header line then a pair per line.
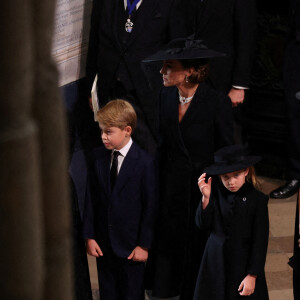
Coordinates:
x,y
50,116
21,250
35,246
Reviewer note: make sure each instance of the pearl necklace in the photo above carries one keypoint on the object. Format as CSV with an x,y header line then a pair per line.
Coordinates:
x,y
185,100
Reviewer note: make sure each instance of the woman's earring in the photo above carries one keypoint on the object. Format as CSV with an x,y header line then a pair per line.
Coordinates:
x,y
186,79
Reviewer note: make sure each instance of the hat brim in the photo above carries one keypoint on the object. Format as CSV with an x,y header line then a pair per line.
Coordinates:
x,y
190,54
223,168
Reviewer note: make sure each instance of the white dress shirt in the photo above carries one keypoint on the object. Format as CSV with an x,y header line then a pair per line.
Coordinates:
x,y
123,153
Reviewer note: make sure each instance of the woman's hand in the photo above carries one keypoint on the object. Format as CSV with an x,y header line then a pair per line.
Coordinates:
x,y
205,189
247,286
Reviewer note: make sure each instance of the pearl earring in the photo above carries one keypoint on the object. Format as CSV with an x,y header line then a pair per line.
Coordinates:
x,y
186,79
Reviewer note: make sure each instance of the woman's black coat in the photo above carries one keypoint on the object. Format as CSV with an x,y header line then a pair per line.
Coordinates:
x,y
186,148
237,245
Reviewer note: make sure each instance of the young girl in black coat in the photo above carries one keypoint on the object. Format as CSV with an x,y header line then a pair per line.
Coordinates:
x,y
236,216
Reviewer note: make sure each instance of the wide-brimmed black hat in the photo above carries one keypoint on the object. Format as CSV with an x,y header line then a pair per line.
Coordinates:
x,y
230,159
184,48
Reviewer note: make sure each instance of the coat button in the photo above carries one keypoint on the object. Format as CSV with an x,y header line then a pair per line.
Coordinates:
x,y
244,199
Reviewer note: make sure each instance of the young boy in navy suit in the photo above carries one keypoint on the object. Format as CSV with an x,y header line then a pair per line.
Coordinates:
x,y
121,205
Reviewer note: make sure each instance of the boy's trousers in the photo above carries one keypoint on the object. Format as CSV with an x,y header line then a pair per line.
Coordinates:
x,y
120,278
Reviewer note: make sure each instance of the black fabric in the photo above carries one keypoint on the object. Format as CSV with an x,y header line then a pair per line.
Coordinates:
x,y
229,27
120,278
175,259
237,246
114,169
291,78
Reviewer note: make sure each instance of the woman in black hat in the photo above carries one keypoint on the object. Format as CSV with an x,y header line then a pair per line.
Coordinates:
x,y
236,216
194,122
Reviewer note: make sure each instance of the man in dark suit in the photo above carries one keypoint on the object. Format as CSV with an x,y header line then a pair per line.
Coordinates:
x,y
122,34
229,27
121,205
291,81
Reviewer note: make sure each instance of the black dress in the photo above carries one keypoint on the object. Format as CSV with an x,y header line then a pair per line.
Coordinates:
x,y
186,148
239,229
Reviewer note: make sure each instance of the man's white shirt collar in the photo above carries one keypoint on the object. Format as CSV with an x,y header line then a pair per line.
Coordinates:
x,y
126,148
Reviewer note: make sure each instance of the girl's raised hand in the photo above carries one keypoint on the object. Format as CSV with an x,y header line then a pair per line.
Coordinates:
x,y
205,188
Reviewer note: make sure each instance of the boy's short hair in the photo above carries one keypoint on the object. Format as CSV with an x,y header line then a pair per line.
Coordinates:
x,y
117,113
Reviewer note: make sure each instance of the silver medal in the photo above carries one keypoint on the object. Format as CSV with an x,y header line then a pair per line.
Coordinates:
x,y
128,25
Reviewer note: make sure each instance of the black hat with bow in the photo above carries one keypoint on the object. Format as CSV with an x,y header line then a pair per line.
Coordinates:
x,y
184,48
230,159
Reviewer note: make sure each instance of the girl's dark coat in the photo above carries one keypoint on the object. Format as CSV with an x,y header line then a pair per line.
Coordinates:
x,y
186,148
237,245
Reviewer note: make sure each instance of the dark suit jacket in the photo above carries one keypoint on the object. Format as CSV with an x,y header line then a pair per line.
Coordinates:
x,y
237,246
157,23
123,218
229,27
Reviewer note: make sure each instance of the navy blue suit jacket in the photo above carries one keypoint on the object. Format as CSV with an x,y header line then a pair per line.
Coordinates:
x,y
124,217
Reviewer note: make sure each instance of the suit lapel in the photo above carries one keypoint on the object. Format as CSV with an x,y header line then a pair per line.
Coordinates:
x,y
115,9
173,110
127,168
194,107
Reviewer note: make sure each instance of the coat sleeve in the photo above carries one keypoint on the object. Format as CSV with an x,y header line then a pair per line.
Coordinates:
x,y
244,34
223,123
88,228
150,204
260,237
91,62
204,217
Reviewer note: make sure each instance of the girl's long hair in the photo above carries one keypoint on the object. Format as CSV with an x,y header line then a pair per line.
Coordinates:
x,y
251,177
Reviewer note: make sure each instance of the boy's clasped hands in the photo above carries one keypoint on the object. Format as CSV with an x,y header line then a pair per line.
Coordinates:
x,y
138,254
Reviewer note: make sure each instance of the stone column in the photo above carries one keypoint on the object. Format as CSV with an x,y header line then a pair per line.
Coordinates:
x,y
35,258
21,250
50,115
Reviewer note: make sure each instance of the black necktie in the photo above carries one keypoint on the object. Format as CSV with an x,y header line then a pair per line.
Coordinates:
x,y
114,169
